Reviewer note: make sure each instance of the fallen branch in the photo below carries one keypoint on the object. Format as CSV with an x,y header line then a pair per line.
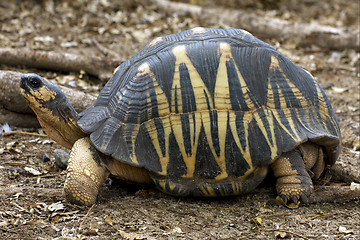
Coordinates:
x,y
10,97
58,61
18,119
265,27
23,133
86,216
329,194
311,216
14,105
345,172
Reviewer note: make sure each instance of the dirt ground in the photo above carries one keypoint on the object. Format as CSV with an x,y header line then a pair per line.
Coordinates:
x,y
31,201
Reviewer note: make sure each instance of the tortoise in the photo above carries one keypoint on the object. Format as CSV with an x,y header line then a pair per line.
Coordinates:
x,y
202,113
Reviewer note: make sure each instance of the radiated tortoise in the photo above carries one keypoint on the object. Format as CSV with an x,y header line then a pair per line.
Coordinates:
x,y
204,113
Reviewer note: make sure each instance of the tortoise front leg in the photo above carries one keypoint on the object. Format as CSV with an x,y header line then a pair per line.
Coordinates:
x,y
85,174
292,179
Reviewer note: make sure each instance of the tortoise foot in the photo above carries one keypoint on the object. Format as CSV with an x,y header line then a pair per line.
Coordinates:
x,y
292,192
80,190
85,174
293,183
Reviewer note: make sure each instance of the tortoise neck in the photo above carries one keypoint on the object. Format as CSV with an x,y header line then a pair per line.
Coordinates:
x,y
59,120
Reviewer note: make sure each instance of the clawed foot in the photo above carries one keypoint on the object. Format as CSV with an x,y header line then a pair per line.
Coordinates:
x,y
293,182
291,195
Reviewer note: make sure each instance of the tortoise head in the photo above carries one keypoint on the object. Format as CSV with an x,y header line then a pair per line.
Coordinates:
x,y
53,110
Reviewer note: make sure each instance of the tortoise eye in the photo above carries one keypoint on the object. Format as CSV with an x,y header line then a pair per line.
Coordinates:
x,y
35,82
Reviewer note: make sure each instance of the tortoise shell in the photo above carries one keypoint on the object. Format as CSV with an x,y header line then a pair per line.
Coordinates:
x,y
209,105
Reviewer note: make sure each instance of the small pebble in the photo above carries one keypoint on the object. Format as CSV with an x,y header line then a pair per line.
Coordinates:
x,y
61,158
45,157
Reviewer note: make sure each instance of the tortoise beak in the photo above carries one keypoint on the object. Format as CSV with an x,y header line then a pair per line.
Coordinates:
x,y
23,83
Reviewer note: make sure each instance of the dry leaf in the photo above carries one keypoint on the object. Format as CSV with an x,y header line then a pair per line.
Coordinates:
x,y
32,171
174,230
344,230
338,89
108,220
280,234
177,230
257,220
4,223
10,145
356,146
56,207
55,219
354,186
17,195
91,232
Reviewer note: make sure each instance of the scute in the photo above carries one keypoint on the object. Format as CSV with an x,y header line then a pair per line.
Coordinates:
x,y
209,104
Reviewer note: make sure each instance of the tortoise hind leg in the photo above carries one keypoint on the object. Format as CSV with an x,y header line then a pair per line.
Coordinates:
x,y
313,159
293,172
85,174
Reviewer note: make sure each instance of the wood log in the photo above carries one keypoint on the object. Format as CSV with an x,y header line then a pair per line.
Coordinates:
x,y
326,37
10,96
345,172
66,62
335,193
19,120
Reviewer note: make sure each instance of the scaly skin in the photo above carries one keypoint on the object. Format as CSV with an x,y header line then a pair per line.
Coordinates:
x,y
59,120
53,110
291,169
85,175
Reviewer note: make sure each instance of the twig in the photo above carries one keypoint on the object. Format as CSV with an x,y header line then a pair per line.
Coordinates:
x,y
322,215
23,133
20,207
87,214
313,216
155,219
278,230
107,52
273,215
22,237
222,208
